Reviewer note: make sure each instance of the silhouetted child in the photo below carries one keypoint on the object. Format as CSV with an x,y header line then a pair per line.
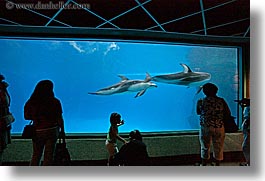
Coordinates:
x,y
113,136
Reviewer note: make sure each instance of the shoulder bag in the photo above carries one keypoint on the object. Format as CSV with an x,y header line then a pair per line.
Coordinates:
x,y
28,131
7,120
62,155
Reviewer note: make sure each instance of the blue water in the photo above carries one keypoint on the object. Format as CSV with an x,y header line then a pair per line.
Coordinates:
x,y
79,67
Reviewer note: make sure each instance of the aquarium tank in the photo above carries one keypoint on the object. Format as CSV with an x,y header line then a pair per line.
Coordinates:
x,y
153,85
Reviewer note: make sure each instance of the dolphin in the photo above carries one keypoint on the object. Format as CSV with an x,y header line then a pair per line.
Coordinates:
x,y
127,85
187,77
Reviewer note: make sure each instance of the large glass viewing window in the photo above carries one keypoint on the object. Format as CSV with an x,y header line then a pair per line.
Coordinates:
x,y
92,78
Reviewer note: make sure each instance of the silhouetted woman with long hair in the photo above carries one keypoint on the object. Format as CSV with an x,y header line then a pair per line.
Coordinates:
x,y
46,113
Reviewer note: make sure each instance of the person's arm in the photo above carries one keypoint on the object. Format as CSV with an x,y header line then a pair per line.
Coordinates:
x,y
119,137
198,106
121,123
61,123
246,117
29,111
226,109
59,112
61,126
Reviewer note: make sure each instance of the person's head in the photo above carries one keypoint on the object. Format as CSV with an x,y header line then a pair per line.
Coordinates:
x,y
135,135
210,89
115,118
245,102
44,89
3,84
2,77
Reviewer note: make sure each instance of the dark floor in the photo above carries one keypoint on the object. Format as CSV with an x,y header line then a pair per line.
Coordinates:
x,y
230,159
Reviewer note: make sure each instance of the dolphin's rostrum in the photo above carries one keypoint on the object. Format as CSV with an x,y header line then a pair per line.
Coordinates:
x,y
127,85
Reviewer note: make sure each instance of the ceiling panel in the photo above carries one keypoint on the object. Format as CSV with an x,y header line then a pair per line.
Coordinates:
x,y
203,17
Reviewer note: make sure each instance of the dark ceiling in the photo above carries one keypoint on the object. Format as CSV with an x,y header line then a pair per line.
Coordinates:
x,y
204,17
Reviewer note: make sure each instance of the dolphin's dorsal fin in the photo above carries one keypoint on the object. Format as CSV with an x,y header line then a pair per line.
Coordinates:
x,y
186,68
123,77
147,77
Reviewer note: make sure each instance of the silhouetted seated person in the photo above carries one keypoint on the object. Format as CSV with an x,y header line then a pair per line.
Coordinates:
x,y
134,153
